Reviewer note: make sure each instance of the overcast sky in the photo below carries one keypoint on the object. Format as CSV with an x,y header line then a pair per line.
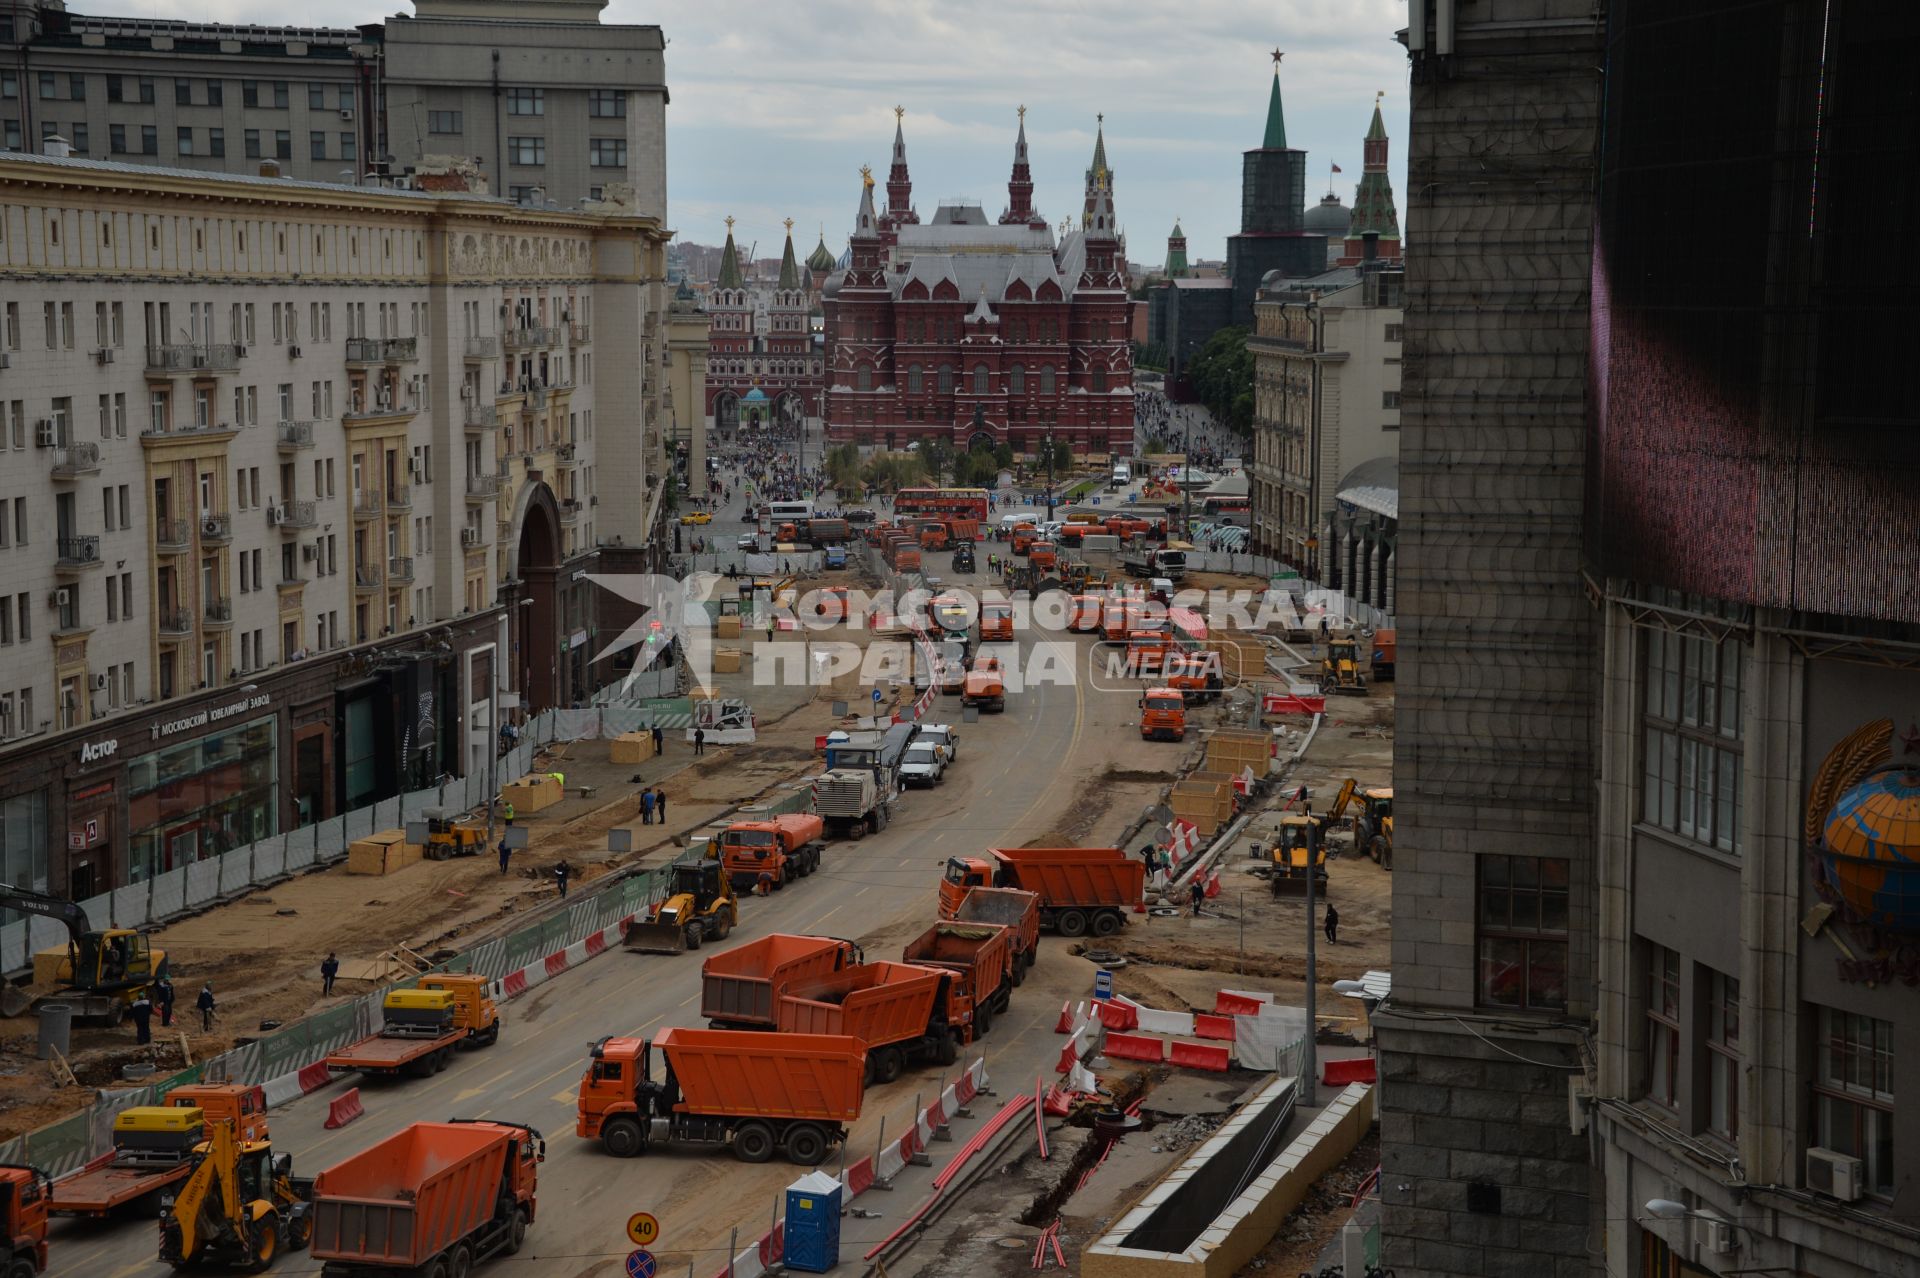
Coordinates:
x,y
776,106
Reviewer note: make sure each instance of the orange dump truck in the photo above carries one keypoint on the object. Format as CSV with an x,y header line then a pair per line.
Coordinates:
x,y
1385,649
1080,889
781,849
985,687
755,1091
980,955
742,987
24,1192
1010,908
996,622
432,1199
422,1028
1163,714
903,1013
153,1149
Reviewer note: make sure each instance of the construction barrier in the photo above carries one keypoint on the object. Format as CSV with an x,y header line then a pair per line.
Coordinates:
x,y
1208,1056
1358,1069
1135,1047
1207,1025
1116,1015
1227,1003
344,1108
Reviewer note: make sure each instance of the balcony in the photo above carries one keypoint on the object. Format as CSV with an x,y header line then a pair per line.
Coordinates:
x,y
295,436
400,570
76,460
172,536
176,622
399,497
536,399
380,407
366,577
78,552
291,515
482,488
218,613
197,357
482,348
216,529
530,339
153,435
567,455
580,332
570,511
382,350
481,417
366,504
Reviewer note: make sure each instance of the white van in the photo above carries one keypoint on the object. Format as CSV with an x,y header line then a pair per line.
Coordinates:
x,y
1122,475
781,512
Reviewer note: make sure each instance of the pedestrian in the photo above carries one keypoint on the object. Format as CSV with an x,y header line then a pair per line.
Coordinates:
x,y
505,853
660,803
1199,895
142,1009
1332,925
769,627
699,741
646,807
165,988
659,739
329,969
206,1005
509,812
560,874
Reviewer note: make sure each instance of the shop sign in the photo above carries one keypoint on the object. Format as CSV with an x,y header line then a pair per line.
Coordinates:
x,y
94,751
84,837
579,638
213,714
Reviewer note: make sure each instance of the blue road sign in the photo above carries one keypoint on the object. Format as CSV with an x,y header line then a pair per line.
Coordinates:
x,y
876,696
1103,984
641,1264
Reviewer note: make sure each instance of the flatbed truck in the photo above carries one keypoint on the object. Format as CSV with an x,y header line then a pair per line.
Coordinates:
x,y
423,1027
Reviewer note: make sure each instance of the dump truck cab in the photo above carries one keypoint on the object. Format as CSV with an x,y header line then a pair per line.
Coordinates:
x,y
1163,715
1044,556
1024,535
699,906
996,621
24,1194
468,1005
779,850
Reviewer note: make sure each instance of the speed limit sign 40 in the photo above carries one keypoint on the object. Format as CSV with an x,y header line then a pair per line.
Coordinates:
x,y
643,1229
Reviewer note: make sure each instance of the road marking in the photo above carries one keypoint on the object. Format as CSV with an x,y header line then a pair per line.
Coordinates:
x,y
568,1097
824,917
538,1083
471,1092
643,1029
863,891
688,999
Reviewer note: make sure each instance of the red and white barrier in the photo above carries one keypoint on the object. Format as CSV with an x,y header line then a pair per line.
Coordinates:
x,y
514,984
344,1108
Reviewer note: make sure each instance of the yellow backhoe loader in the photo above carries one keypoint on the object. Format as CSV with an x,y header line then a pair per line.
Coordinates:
x,y
699,906
1340,668
239,1207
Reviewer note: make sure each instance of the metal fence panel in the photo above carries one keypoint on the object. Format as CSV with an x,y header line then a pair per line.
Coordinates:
x,y
167,894
300,851
203,882
357,824
130,905
270,859
63,1146
331,838
13,946
236,871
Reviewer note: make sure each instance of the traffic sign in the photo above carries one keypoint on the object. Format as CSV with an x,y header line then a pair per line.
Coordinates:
x,y
876,696
1103,984
641,1264
643,1228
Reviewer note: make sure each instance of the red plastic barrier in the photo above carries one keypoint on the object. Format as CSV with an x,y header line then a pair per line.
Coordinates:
x,y
1207,1025
1213,885
860,1177
1135,1047
1209,1056
1065,1024
773,1245
314,1077
1360,1069
937,1113
596,943
1226,1004
820,745
1069,1055
964,1090
515,983
1280,703
1117,1016
344,1108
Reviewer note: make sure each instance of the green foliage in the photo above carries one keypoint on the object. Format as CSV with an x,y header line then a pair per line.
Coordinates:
x,y
1221,376
1062,457
890,472
977,469
1150,355
843,469
1003,455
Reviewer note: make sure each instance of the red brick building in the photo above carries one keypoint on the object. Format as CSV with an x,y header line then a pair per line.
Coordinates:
x,y
761,361
977,331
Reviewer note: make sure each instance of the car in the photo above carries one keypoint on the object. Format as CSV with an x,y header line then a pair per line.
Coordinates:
x,y
943,738
922,765
697,517
748,541
858,515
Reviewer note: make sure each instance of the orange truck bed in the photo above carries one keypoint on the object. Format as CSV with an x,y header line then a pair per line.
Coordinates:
x,y
980,954
106,1189
1079,889
388,1054
742,987
1009,907
780,1076
878,1003
403,1201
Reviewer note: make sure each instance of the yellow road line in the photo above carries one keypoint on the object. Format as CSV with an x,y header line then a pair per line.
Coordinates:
x,y
538,1083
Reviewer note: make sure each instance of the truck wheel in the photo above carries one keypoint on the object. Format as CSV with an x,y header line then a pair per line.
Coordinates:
x,y
1071,923
753,1142
695,934
517,1230
299,1233
982,1020
1106,923
858,831
945,1050
437,1269
806,1145
887,1064
460,1264
1382,851
266,1244
722,927
621,1137
1019,970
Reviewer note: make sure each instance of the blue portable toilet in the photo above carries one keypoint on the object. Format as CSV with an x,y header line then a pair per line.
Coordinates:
x,y
813,1223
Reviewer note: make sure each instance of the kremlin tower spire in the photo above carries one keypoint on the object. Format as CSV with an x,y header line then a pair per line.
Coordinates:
x,y
1373,211
1020,186
730,261
1098,174
789,268
899,185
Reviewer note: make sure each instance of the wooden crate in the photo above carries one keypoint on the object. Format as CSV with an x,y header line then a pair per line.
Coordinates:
x,y
387,852
1206,805
1231,750
727,627
631,747
726,660
532,793
1241,659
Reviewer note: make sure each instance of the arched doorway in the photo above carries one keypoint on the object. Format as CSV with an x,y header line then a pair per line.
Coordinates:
x,y
536,605
789,410
726,411
756,410
981,439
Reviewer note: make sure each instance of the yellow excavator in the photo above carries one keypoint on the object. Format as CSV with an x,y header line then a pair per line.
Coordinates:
x,y
699,906
1288,853
104,970
1340,668
1373,828
240,1206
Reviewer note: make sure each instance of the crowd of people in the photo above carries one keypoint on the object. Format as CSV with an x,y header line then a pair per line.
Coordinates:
x,y
1184,428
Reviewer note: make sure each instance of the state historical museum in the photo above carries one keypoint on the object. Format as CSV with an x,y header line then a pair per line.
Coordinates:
x,y
978,331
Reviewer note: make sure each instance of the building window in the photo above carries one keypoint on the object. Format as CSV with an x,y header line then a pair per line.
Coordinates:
x,y
607,153
1389,399
1099,379
216,141
250,93
216,93
1662,1056
1046,379
347,147
946,379
1723,1056
443,122
316,145
980,378
863,377
149,140
1017,380
526,101
79,138
1853,1093
1692,747
183,93
146,90
527,150
283,144
1393,332
606,104
279,95
183,141
1522,932
316,97
253,144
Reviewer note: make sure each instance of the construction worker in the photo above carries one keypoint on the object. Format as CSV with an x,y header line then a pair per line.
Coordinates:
x,y
508,811
1199,895
165,990
142,1010
206,1005
560,874
505,853
646,807
1332,924
329,968
660,803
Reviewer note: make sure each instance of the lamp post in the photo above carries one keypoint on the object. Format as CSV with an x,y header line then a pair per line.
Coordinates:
x,y
1047,443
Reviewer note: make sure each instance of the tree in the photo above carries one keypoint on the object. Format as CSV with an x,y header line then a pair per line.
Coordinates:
x,y
1150,355
1221,376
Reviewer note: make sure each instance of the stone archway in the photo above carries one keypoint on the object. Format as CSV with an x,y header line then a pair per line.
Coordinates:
x,y
536,607
789,410
726,411
982,439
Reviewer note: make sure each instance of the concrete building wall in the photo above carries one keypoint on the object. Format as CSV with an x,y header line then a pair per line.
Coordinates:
x,y
1480,1172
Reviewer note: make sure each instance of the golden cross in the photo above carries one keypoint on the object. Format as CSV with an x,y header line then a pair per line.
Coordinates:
x,y
866,174
899,111
1023,112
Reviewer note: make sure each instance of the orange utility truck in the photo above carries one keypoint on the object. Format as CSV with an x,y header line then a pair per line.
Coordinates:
x,y
755,1091
782,848
741,988
1080,889
423,1027
980,956
996,621
1163,715
904,1013
433,1199
1010,908
23,1220
153,1149
985,686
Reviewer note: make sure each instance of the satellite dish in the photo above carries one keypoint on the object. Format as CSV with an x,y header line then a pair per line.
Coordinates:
x,y
1158,814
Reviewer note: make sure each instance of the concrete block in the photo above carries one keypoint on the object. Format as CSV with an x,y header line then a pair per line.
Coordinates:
x,y
1470,1102
1475,1164
1451,1133
1420,1098
1446,1258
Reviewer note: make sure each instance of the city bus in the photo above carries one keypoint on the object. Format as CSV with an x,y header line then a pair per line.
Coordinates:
x,y
952,503
1239,506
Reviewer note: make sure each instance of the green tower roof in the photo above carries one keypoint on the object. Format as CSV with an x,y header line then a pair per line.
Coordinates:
x,y
1377,131
1276,136
789,268
820,259
730,262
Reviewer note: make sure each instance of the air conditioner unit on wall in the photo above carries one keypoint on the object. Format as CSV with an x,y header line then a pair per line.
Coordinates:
x,y
60,598
1834,1174
45,433
104,354
293,352
309,553
100,683
346,113
1712,1235
470,537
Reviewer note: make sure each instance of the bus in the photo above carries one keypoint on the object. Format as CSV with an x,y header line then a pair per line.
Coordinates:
x,y
1226,506
781,512
953,503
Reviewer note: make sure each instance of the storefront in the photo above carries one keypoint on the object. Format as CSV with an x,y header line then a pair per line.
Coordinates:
x,y
203,797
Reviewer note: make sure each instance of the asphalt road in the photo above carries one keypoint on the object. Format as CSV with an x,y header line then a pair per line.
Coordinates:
x,y
1007,785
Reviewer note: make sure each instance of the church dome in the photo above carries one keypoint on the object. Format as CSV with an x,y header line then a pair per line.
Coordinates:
x,y
755,396
1328,217
820,259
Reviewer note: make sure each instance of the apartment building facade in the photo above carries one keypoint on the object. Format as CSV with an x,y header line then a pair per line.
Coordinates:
x,y
295,475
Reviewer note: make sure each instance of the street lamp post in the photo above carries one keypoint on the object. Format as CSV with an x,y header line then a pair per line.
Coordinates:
x,y
1048,445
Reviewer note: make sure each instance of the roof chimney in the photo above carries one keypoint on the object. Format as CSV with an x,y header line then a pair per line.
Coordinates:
x,y
55,146
270,168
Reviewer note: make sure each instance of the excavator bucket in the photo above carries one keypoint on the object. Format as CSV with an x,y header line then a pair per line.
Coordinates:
x,y
13,1002
646,936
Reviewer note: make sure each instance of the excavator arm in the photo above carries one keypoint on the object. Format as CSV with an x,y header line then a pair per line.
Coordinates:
x,y
208,1202
1342,799
27,901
